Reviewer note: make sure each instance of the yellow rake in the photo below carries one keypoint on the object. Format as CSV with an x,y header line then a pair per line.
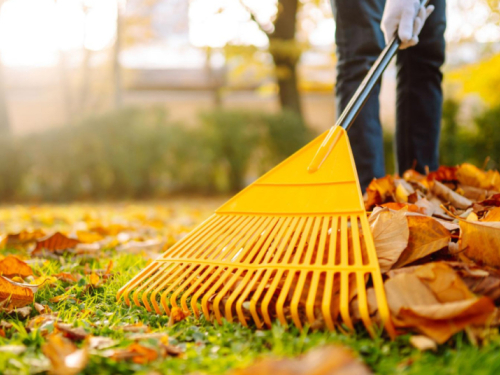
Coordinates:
x,y
294,246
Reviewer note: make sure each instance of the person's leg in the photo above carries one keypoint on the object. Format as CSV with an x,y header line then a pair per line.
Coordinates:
x,y
419,95
359,42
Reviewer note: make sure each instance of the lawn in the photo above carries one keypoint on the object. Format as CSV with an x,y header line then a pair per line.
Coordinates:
x,y
205,348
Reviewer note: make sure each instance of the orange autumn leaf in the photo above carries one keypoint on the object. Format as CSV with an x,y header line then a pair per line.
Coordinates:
x,y
480,241
23,237
64,356
443,174
67,277
327,360
427,236
176,315
398,206
94,279
12,266
55,243
379,191
14,295
137,353
492,215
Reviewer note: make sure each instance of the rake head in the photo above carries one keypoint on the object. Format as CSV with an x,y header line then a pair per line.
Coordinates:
x,y
293,246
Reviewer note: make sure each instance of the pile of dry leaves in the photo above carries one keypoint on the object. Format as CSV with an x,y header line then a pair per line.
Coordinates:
x,y
438,242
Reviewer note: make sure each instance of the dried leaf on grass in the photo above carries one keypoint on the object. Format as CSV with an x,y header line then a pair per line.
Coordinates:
x,y
423,343
12,266
56,243
137,353
64,356
327,360
390,235
480,241
176,315
70,332
13,349
14,295
434,300
427,236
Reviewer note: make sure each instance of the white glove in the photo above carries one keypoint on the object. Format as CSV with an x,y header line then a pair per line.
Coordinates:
x,y
407,17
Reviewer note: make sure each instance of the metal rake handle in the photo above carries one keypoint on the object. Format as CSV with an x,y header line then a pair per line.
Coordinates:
x,y
358,100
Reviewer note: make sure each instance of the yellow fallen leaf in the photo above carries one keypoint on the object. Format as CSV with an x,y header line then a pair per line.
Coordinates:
x,y
64,356
480,241
492,215
88,237
469,174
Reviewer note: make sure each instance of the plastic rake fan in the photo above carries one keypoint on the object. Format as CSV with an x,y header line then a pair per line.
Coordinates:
x,y
294,246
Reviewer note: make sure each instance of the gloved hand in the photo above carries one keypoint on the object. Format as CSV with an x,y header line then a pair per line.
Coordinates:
x,y
407,17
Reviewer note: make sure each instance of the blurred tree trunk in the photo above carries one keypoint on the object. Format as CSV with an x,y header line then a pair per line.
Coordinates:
x,y
214,81
5,129
65,86
286,55
117,74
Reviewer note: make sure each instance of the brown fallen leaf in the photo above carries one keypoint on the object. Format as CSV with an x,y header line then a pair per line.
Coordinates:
x,y
100,342
427,236
20,312
56,243
434,300
137,327
70,332
479,281
390,235
327,360
380,191
14,295
445,193
68,277
22,239
137,353
480,241
42,309
11,266
64,356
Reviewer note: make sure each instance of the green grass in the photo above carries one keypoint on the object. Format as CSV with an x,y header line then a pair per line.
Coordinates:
x,y
212,348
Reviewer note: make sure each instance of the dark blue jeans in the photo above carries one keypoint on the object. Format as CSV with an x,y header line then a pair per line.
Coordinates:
x,y
419,95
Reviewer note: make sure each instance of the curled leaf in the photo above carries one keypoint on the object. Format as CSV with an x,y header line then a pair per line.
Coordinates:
x,y
14,294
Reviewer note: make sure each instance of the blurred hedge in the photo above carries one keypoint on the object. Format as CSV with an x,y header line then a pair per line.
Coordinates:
x,y
140,153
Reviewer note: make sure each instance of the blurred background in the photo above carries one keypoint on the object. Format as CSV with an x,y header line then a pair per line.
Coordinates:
x,y
115,99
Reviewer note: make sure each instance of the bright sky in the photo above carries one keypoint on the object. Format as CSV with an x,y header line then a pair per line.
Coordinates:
x,y
32,32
